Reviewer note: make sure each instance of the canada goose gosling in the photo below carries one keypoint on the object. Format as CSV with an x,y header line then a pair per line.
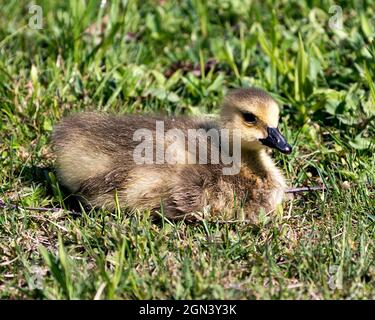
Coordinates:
x,y
95,160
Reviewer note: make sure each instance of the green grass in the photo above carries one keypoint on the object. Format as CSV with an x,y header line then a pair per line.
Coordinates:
x,y
155,56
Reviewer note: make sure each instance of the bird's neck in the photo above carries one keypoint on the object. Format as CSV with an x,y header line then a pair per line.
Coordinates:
x,y
260,163
257,161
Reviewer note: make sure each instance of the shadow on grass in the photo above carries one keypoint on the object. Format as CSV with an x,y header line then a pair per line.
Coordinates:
x,y
45,176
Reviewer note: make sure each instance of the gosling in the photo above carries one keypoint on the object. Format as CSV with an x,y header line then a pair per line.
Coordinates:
x,y
95,155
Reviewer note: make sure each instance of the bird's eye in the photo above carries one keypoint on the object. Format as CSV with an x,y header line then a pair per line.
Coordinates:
x,y
249,117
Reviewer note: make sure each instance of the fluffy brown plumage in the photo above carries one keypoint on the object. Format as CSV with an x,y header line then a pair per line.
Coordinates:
x,y
95,161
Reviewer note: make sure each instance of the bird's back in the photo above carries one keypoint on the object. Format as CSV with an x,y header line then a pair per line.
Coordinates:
x,y
90,144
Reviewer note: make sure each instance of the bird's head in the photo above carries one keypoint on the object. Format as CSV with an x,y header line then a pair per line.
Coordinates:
x,y
256,115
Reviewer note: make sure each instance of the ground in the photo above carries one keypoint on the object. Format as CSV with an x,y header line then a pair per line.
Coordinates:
x,y
180,57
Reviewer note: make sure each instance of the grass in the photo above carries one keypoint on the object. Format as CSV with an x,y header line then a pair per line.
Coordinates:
x,y
180,57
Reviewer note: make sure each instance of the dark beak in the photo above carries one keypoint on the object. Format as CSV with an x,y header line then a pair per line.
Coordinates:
x,y
276,140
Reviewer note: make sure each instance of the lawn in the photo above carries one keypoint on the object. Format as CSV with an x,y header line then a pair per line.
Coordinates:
x,y
181,57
